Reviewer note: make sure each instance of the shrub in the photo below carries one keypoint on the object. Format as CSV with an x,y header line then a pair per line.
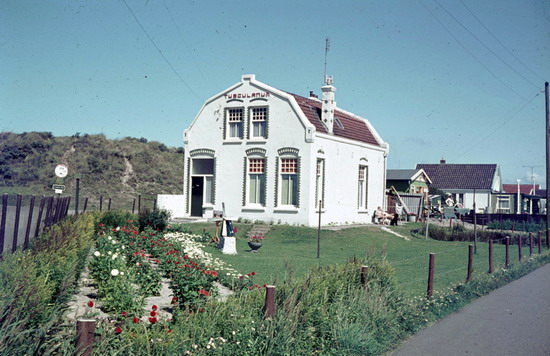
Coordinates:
x,y
156,219
35,284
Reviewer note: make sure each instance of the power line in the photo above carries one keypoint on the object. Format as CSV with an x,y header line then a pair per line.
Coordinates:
x,y
160,52
499,42
498,128
183,40
471,54
484,45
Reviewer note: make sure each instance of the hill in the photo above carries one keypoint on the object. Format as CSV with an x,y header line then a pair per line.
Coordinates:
x,y
120,169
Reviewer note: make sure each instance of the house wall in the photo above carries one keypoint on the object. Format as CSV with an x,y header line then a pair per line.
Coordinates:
x,y
483,199
287,128
342,160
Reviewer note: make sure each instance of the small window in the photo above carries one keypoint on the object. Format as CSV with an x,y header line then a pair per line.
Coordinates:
x,y
363,186
235,123
258,125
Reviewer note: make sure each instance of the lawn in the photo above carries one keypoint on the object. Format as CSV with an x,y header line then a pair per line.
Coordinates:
x,y
289,251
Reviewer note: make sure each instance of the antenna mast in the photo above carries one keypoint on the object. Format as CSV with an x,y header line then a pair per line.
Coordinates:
x,y
327,47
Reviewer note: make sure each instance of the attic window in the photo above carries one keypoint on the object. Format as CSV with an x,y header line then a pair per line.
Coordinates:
x,y
339,123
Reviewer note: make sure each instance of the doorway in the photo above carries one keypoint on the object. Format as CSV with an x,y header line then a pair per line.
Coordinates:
x,y
197,191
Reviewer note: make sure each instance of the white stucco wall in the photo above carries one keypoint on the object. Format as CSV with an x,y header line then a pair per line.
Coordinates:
x,y
286,129
174,203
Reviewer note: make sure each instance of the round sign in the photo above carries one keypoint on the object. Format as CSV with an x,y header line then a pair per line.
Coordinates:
x,y
61,170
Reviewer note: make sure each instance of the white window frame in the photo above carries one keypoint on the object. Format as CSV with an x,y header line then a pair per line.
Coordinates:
x,y
293,175
259,171
258,118
363,186
320,183
503,198
232,123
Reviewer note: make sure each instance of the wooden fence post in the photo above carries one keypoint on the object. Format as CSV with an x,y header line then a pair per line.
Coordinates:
x,y
539,242
548,239
3,222
364,275
155,204
85,205
16,226
507,260
100,202
530,244
470,262
269,307
431,269
85,329
29,223
139,204
39,218
490,256
67,205
134,206
519,248
109,205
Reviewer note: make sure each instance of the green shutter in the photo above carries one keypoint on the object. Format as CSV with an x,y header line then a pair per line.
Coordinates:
x,y
265,182
298,178
277,181
244,182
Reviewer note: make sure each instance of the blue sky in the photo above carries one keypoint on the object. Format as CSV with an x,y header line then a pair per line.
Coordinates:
x,y
461,80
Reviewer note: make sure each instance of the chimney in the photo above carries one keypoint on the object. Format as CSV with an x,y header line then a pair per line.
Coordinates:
x,y
328,105
442,161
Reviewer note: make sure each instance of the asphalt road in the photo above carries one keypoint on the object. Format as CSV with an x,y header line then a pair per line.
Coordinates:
x,y
512,320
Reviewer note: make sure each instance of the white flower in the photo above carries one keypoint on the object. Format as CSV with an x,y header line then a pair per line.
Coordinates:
x,y
118,228
109,237
109,253
114,256
115,272
122,273
97,254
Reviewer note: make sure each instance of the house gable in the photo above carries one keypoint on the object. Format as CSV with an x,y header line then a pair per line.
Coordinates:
x,y
463,176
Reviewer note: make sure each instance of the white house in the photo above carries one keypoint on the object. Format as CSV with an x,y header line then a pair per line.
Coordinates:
x,y
269,155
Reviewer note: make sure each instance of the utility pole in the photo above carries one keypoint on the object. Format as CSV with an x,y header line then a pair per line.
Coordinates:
x,y
547,162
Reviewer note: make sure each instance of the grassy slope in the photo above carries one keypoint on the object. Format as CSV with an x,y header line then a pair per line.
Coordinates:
x,y
289,249
120,169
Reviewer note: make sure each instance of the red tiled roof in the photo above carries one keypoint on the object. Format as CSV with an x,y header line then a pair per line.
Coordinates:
x,y
523,188
460,176
353,128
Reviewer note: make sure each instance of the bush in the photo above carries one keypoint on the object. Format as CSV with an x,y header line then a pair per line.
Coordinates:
x,y
459,233
35,284
156,219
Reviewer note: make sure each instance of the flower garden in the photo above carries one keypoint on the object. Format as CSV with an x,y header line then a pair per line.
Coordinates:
x,y
158,292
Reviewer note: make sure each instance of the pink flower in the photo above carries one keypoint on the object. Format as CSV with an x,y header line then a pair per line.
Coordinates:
x,y
204,292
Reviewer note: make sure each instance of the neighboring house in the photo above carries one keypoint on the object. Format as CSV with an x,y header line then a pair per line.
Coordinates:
x,y
265,154
414,181
532,199
462,180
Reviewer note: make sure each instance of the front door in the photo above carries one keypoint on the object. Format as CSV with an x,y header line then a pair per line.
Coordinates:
x,y
197,189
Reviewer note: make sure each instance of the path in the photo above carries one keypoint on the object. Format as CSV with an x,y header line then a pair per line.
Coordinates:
x,y
512,320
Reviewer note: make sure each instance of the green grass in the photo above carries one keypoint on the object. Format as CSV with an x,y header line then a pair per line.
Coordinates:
x,y
292,251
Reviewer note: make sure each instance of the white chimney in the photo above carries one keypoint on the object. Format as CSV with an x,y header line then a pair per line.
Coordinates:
x,y
328,105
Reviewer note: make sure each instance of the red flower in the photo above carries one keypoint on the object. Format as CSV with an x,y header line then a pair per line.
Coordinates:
x,y
235,229
253,273
135,320
91,303
265,285
100,225
169,331
154,307
124,314
118,330
241,277
201,310
153,313
174,300
204,292
152,320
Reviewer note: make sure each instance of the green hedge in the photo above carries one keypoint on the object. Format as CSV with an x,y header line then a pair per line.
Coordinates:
x,y
35,284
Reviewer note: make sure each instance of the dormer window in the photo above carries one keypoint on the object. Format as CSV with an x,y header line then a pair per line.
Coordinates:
x,y
258,122
235,123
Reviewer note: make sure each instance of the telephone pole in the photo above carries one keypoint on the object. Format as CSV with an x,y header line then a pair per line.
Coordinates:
x,y
547,162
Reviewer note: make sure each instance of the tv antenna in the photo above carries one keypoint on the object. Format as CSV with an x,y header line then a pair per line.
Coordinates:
x,y
327,47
